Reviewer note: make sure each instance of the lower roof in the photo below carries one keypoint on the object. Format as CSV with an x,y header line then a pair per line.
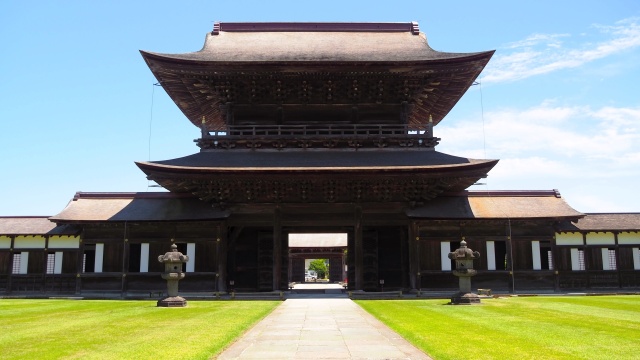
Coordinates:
x,y
33,225
148,206
604,222
497,205
161,206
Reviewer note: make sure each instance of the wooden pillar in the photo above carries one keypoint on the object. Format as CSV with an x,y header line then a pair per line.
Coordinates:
x,y
277,248
512,275
222,252
289,273
414,257
125,260
359,249
46,263
617,253
555,260
11,260
586,256
80,263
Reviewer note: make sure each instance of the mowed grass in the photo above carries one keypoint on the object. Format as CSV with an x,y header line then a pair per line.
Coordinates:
x,y
586,327
104,329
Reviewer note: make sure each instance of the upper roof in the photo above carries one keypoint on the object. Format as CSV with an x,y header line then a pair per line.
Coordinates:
x,y
604,222
315,42
33,225
278,65
497,205
148,206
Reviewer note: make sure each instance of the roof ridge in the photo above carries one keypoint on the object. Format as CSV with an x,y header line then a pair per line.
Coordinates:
x,y
130,195
411,27
613,213
554,193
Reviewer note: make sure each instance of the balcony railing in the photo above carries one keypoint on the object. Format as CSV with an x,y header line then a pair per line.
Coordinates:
x,y
331,135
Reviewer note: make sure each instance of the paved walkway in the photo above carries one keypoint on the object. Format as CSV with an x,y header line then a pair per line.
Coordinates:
x,y
321,328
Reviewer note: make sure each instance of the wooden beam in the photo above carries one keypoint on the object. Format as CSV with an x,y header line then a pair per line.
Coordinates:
x,y
414,256
222,252
359,250
277,247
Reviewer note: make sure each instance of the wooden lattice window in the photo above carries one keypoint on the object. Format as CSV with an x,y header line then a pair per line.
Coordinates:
x,y
51,263
612,259
581,260
15,268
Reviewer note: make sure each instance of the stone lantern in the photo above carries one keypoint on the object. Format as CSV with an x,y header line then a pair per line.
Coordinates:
x,y
464,257
173,261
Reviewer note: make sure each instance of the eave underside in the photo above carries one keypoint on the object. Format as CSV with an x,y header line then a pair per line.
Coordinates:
x,y
208,93
317,185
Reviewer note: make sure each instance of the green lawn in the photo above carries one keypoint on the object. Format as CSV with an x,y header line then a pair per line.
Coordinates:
x,y
592,327
103,329
586,327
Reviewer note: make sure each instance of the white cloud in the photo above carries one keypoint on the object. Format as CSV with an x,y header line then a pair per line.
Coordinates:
x,y
544,53
551,40
574,133
591,155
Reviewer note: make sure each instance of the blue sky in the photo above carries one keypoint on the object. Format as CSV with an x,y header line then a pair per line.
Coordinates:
x,y
559,102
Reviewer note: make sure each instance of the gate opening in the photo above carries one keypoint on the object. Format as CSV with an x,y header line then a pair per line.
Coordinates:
x,y
317,259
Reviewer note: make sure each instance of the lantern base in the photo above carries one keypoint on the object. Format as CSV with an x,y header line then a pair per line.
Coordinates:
x,y
172,301
465,298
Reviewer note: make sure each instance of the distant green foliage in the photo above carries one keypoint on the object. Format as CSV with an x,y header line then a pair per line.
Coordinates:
x,y
104,329
320,267
555,327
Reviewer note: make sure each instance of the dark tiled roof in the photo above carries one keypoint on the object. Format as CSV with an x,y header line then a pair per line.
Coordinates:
x,y
292,54
432,171
497,205
604,222
34,225
317,159
136,207
307,44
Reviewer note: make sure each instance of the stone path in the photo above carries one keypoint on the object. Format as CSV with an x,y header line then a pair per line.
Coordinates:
x,y
321,328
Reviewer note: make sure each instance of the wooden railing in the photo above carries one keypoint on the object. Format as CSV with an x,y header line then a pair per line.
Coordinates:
x,y
329,135
330,130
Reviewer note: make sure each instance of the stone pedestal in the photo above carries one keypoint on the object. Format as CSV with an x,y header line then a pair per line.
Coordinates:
x,y
464,271
173,261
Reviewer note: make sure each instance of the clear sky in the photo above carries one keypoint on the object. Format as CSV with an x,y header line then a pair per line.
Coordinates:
x,y
559,103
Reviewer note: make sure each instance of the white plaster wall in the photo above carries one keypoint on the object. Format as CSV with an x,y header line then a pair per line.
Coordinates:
x,y
445,249
569,238
24,262
600,238
5,242
29,242
535,254
636,258
629,238
491,255
144,257
575,260
606,264
64,242
99,257
191,253
57,264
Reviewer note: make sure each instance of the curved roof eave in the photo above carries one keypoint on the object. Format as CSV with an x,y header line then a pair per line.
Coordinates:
x,y
310,46
195,61
147,165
